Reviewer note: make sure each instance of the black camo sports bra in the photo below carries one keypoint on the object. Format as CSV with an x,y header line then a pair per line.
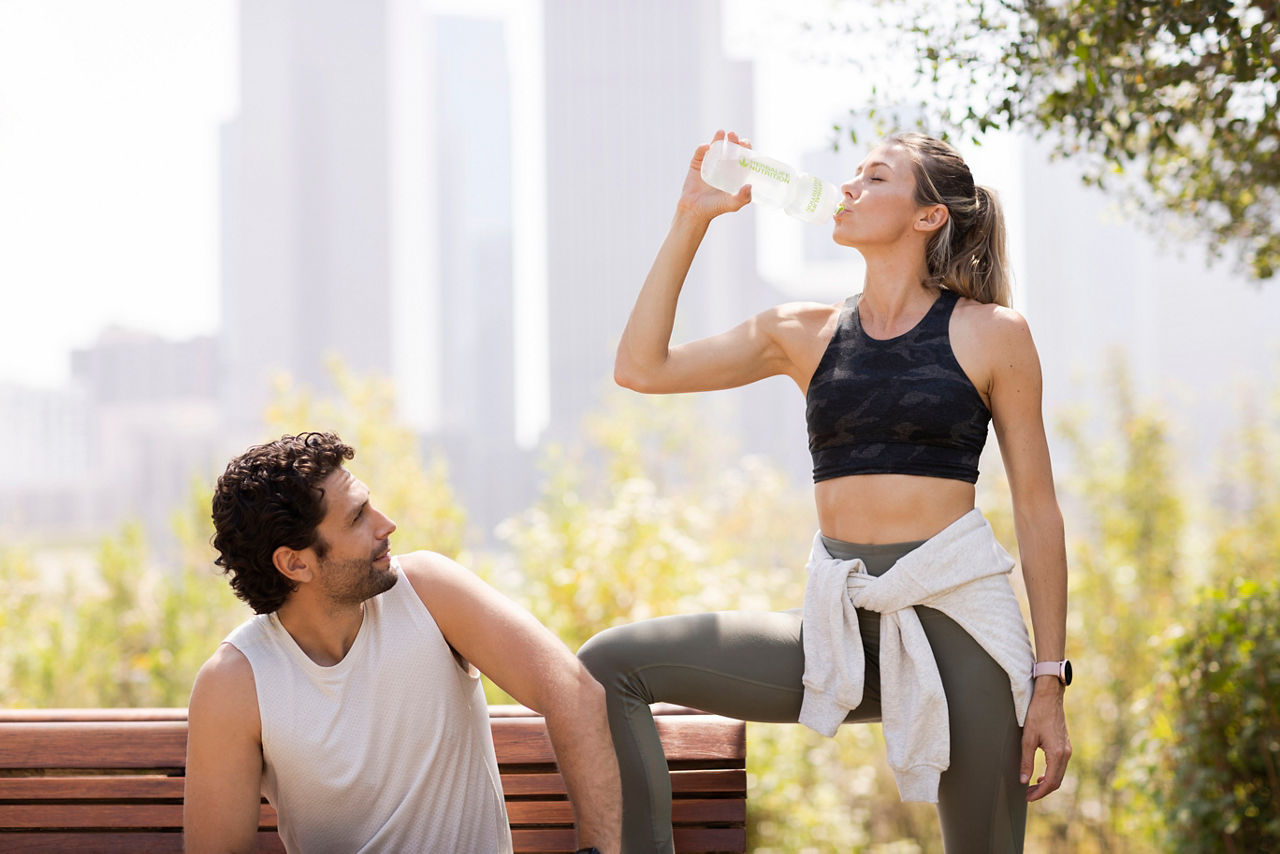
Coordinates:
x,y
899,406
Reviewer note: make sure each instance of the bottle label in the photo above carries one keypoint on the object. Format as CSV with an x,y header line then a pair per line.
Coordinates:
x,y
765,170
814,196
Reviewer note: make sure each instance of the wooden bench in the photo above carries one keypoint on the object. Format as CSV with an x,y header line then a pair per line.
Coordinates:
x,y
110,780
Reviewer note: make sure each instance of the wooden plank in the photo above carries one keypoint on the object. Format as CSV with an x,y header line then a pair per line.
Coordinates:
x,y
91,788
689,811
702,737
113,744
543,840
115,843
137,814
709,840
688,840
522,741
700,781
65,715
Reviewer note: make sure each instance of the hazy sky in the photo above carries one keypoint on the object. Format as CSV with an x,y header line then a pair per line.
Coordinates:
x,y
109,117
109,143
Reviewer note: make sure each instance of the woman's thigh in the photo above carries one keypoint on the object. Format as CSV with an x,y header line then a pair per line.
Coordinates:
x,y
981,801
741,664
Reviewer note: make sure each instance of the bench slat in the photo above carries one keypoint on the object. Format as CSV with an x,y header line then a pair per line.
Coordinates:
x,y
139,814
692,738
705,781
118,842
702,811
688,840
161,744
161,787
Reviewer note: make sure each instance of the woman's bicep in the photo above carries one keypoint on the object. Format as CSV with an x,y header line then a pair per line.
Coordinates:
x,y
1016,395
744,354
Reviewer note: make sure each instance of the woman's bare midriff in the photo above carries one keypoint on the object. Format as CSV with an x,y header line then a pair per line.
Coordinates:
x,y
872,509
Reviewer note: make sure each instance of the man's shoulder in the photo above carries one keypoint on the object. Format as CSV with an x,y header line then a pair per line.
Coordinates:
x,y
224,687
427,570
228,668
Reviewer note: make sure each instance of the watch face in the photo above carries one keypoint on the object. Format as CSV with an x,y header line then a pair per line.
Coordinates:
x,y
1066,672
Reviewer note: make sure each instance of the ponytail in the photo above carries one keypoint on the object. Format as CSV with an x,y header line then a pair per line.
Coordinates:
x,y
967,254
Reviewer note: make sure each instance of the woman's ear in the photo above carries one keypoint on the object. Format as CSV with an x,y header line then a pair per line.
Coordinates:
x,y
932,218
292,564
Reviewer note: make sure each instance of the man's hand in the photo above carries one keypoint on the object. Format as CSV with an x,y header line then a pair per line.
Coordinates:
x,y
1046,729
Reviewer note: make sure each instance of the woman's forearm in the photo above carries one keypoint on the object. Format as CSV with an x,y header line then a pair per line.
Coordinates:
x,y
646,339
1042,546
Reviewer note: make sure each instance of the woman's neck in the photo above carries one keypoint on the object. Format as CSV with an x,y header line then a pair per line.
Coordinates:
x,y
894,292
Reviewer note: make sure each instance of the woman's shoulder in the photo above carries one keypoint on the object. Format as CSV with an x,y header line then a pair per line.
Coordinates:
x,y
990,319
994,336
810,313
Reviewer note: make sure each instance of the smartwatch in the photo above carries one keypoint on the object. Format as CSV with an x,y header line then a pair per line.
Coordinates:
x,y
1060,669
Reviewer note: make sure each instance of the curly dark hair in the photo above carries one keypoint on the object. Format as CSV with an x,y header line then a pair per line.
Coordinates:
x,y
269,497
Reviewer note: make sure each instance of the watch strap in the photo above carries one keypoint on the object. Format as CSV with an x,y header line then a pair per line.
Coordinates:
x,y
1060,669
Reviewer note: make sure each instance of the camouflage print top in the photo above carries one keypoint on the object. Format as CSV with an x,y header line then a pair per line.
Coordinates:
x,y
897,406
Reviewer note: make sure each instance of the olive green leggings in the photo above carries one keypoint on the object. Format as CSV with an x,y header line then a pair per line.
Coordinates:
x,y
749,665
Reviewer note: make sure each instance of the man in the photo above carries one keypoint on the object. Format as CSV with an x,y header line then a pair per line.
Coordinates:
x,y
352,700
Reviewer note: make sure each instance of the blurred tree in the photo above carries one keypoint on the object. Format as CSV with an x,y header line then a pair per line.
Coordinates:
x,y
1126,524
1176,102
122,630
1248,503
415,493
654,515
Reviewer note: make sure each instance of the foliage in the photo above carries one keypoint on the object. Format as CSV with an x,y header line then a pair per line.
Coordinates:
x,y
1248,541
119,632
1217,775
1126,525
1177,100
414,493
130,628
652,517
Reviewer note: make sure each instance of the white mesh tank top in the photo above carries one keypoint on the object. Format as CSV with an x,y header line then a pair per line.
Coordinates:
x,y
387,750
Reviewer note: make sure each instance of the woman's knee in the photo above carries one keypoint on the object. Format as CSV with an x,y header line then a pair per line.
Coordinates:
x,y
604,655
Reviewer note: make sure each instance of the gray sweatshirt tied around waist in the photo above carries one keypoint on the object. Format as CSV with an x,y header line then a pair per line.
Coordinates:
x,y
963,572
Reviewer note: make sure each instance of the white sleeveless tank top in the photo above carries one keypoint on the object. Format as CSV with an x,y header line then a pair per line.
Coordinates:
x,y
387,750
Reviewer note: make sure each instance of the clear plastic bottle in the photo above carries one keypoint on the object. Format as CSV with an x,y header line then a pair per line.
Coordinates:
x,y
728,166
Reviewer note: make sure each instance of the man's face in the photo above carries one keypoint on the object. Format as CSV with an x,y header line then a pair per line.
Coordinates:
x,y
357,563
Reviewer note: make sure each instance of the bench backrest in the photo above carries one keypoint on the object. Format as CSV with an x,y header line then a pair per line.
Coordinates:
x,y
112,779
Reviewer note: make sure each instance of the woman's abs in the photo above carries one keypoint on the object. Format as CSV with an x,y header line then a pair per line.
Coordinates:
x,y
889,508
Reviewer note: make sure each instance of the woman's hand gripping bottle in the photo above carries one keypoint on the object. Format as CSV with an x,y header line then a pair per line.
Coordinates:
x,y
728,166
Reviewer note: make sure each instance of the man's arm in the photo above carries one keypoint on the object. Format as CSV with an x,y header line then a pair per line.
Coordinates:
x,y
224,757
531,664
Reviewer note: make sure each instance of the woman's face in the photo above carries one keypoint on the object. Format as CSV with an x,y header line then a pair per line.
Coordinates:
x,y
879,201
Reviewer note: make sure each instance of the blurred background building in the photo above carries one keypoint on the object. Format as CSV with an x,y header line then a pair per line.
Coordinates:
x,y
467,196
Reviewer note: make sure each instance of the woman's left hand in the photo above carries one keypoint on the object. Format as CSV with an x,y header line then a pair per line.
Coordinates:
x,y
1046,729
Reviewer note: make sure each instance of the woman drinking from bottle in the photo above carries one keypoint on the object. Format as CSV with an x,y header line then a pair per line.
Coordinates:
x,y
908,615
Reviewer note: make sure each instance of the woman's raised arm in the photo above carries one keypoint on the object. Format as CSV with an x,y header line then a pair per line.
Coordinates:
x,y
754,349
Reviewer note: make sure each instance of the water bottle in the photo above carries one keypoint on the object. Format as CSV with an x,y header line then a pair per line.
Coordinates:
x,y
728,166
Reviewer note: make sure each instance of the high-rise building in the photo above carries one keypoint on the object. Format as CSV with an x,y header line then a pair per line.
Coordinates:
x,y
307,185
632,89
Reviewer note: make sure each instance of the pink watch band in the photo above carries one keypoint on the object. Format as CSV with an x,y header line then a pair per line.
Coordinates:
x,y
1060,669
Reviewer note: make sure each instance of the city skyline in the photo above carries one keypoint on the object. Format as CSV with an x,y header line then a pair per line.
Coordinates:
x,y
436,180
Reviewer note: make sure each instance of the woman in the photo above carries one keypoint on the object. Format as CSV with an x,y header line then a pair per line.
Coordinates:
x,y
908,614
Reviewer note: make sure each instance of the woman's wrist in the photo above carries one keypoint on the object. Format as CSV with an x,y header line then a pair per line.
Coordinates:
x,y
690,217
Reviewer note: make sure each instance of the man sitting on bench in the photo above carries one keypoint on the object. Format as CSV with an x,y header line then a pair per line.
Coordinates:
x,y
352,699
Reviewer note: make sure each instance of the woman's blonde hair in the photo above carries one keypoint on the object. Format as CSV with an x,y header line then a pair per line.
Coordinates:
x,y
967,254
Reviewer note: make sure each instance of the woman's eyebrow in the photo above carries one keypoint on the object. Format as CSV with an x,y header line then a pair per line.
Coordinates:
x,y
873,164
